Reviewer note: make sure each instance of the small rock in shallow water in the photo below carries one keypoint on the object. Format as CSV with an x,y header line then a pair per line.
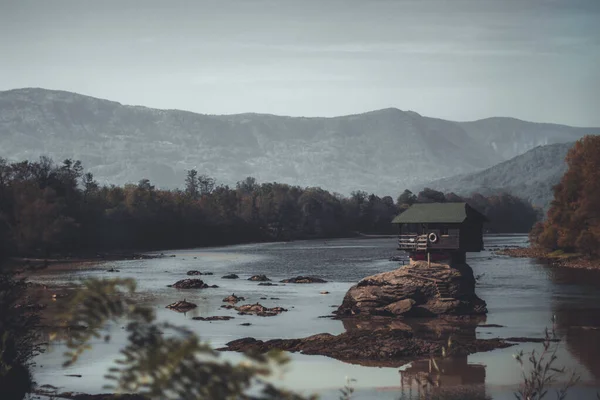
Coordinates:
x,y
259,278
267,284
233,298
191,284
304,279
230,276
324,292
215,318
259,309
181,306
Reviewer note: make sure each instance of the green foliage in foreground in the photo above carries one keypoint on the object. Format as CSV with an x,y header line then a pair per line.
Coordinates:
x,y
160,360
17,338
542,372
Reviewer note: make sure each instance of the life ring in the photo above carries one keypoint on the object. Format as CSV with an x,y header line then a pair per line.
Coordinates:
x,y
433,238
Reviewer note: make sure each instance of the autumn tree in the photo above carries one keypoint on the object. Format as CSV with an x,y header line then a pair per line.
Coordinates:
x,y
573,222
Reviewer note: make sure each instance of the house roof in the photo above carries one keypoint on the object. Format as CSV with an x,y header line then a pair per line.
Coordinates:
x,y
450,213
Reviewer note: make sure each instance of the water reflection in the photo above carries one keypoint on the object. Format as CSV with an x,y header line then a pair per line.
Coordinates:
x,y
437,374
442,376
427,328
577,313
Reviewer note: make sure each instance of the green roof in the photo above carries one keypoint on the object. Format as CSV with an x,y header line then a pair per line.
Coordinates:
x,y
445,213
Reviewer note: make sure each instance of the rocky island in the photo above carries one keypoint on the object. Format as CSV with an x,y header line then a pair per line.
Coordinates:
x,y
416,290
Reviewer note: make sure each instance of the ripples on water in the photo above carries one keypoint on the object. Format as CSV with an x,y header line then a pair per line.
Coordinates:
x,y
522,295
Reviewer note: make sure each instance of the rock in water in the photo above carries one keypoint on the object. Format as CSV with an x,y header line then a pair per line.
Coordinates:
x,y
416,290
259,278
191,284
181,306
230,276
233,299
383,348
196,272
215,318
259,309
304,279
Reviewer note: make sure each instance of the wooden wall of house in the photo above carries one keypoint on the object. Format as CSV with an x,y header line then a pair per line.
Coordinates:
x,y
471,235
466,237
445,242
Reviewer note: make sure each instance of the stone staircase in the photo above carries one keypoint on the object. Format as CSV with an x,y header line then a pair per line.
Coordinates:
x,y
443,290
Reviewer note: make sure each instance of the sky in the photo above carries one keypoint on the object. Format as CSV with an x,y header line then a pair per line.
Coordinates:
x,y
537,60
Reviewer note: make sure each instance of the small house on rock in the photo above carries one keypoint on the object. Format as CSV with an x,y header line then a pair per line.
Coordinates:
x,y
440,231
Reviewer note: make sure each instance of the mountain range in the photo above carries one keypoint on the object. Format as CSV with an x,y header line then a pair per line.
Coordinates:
x,y
382,151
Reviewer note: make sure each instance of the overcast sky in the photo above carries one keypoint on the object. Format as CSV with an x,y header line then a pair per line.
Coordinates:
x,y
462,60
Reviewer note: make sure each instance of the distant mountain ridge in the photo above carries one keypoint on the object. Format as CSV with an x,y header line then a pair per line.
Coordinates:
x,y
381,151
530,176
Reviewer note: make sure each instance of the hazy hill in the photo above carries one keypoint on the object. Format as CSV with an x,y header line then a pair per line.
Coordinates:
x,y
381,151
531,175
509,137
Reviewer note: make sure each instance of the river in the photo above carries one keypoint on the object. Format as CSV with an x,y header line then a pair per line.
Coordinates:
x,y
522,295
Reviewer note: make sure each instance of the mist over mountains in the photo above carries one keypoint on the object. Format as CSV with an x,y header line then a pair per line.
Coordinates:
x,y
382,151
530,176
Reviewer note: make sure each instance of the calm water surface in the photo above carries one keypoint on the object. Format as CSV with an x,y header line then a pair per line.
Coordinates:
x,y
522,296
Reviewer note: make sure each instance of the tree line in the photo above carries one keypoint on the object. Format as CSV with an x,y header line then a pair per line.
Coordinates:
x,y
48,208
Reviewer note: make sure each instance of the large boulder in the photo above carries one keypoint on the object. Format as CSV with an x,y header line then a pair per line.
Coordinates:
x,y
416,290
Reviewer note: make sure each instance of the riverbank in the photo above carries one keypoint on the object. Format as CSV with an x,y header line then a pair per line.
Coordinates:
x,y
555,258
32,264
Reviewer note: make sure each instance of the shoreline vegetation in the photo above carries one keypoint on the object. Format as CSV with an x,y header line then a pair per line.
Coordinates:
x,y
556,258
